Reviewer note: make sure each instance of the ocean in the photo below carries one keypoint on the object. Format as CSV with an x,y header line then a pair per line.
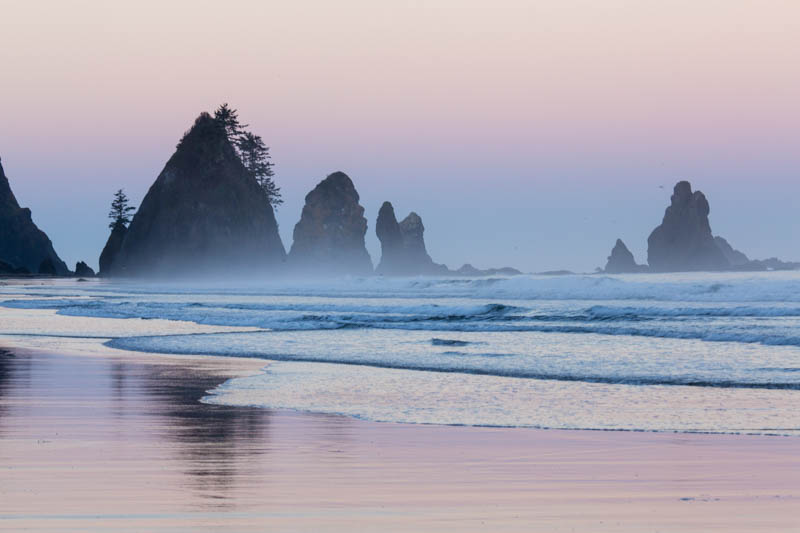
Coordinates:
x,y
696,352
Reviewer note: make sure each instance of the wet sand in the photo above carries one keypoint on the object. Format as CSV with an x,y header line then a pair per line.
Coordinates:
x,y
118,441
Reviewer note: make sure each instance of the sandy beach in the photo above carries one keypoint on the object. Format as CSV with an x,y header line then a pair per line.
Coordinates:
x,y
95,439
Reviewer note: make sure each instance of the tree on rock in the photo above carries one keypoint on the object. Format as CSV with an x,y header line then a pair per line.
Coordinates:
x,y
120,213
256,159
229,119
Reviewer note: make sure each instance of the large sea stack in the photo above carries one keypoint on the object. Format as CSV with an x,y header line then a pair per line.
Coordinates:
x,y
329,239
683,241
23,246
204,215
112,248
621,260
403,251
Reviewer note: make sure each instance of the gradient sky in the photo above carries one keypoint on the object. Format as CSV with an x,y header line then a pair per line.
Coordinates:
x,y
529,134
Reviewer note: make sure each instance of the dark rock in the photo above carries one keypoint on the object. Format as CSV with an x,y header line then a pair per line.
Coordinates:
x,y
734,257
204,215
22,244
83,270
471,271
329,238
10,270
683,241
111,249
48,268
403,251
621,260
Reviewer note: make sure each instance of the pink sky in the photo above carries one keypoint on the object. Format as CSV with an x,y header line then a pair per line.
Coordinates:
x,y
525,133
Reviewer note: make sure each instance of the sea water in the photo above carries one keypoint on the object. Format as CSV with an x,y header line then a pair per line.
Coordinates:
x,y
646,352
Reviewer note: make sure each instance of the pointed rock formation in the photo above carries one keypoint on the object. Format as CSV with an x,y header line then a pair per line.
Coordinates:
x,y
683,241
111,249
22,244
621,260
204,215
403,250
82,270
329,238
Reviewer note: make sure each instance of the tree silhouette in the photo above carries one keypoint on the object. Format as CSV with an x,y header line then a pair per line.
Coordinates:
x,y
256,159
120,211
229,119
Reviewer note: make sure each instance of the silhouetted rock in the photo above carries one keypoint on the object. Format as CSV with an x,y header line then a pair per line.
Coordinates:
x,y
47,268
111,249
683,241
403,250
329,238
83,270
204,215
22,244
7,269
471,271
621,260
734,257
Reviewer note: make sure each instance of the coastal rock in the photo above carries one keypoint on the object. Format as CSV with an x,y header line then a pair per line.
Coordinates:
x,y
205,215
683,241
47,268
470,271
734,257
82,270
10,270
621,260
329,238
111,249
403,251
22,244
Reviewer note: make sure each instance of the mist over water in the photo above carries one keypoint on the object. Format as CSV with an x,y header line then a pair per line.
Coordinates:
x,y
677,352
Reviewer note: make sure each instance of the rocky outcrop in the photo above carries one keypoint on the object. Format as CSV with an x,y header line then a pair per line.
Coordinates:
x,y
683,241
734,257
329,238
22,244
403,251
205,215
621,260
112,248
469,270
82,270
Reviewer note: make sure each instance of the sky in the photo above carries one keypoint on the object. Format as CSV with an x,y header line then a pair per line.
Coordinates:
x,y
527,134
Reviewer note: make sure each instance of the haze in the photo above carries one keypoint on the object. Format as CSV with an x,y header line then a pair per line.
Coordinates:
x,y
529,134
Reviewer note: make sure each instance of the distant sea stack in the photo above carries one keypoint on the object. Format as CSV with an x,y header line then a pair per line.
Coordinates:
x,y
329,239
683,241
621,260
403,251
204,215
24,248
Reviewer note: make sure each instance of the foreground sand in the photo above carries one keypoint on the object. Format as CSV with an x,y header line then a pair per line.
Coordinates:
x,y
118,441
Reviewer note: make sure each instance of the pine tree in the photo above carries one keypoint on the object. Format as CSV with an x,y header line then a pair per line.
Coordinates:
x,y
256,159
229,119
120,213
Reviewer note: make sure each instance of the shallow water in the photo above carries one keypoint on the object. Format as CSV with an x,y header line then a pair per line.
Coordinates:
x,y
688,352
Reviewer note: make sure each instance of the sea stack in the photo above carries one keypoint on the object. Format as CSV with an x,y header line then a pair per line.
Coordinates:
x,y
683,241
403,251
329,238
23,246
621,260
205,215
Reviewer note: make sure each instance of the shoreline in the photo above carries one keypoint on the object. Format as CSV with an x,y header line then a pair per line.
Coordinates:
x,y
122,442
